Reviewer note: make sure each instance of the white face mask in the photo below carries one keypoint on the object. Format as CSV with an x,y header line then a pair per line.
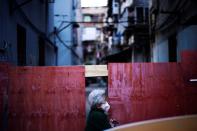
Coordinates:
x,y
105,107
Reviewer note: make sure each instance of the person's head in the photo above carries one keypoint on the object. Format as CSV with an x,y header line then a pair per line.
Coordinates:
x,y
97,98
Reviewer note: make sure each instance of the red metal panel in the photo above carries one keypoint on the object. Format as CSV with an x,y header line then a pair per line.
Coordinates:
x,y
189,65
4,68
142,91
47,99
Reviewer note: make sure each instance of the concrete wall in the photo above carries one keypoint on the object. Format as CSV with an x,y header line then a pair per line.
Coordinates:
x,y
63,8
51,57
180,27
79,48
160,50
36,13
187,40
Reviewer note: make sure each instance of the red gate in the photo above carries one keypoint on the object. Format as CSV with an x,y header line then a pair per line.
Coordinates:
x,y
142,91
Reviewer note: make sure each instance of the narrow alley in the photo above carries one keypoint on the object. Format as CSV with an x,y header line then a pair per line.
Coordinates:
x,y
133,63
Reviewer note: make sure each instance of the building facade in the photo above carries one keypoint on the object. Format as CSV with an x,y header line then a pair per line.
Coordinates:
x,y
92,34
129,31
24,30
77,33
173,29
66,32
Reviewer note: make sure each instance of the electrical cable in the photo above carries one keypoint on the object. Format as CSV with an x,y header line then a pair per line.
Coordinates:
x,y
70,23
42,34
20,5
94,22
63,28
68,47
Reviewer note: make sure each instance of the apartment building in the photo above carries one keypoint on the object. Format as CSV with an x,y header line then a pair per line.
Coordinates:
x,y
173,29
24,30
92,33
67,32
130,31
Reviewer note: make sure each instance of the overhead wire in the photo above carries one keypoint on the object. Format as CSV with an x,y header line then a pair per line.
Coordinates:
x,y
68,47
28,21
94,22
44,36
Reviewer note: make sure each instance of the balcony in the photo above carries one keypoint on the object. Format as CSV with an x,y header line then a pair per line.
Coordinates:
x,y
126,4
90,34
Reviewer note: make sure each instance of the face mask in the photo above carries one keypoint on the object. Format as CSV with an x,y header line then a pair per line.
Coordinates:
x,y
105,107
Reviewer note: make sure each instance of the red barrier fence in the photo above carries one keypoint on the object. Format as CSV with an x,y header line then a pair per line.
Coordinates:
x,y
143,91
46,99
53,98
3,94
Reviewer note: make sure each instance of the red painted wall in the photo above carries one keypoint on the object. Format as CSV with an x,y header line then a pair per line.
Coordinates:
x,y
143,91
46,99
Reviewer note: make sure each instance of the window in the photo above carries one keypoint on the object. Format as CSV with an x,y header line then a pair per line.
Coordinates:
x,y
172,48
41,46
21,45
140,14
87,18
146,17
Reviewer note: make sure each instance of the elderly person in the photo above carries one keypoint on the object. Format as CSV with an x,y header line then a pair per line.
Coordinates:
x,y
98,118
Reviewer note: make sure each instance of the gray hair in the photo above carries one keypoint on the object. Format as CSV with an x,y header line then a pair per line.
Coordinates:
x,y
97,96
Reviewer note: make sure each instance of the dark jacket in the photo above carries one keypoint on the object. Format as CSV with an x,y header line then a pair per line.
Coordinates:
x,y
97,120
